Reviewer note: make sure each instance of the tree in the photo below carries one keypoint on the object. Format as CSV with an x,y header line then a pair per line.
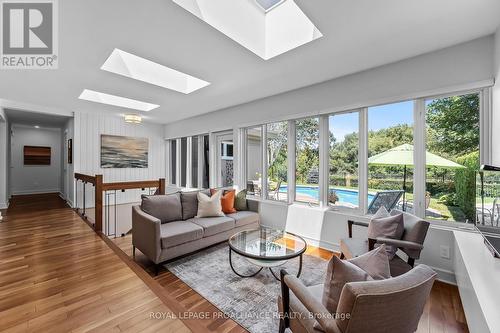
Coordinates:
x,y
453,125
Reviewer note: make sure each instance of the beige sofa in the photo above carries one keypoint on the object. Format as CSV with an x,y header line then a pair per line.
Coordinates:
x,y
165,227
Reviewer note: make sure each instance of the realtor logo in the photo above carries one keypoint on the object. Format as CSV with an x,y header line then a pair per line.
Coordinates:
x,y
29,34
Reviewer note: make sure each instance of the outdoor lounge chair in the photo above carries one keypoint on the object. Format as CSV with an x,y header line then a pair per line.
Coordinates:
x,y
387,199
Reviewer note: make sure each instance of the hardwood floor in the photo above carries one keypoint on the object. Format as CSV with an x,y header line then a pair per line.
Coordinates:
x,y
57,275
442,313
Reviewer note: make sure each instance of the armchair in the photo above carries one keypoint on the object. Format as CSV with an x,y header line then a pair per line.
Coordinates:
x,y
415,231
391,305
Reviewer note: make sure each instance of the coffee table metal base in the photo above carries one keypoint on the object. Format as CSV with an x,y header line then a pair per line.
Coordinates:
x,y
263,264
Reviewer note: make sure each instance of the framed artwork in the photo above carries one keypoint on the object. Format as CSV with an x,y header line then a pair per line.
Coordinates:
x,y
70,151
34,155
124,152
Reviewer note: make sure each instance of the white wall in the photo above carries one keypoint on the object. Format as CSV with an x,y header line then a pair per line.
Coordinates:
x,y
416,77
496,103
28,179
4,130
68,170
87,146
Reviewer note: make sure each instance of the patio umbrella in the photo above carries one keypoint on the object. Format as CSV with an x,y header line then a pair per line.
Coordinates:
x,y
403,155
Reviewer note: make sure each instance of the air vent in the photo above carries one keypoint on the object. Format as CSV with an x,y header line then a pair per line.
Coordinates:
x,y
268,5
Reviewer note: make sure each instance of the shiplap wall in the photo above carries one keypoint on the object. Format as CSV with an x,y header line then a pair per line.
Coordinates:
x,y
87,152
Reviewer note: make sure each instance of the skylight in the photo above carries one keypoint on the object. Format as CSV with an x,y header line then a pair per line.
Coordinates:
x,y
268,28
135,67
99,97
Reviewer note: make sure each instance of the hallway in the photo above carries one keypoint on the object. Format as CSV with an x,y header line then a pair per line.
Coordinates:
x,y
57,275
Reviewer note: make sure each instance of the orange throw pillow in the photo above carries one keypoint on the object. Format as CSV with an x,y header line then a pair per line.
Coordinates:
x,y
227,201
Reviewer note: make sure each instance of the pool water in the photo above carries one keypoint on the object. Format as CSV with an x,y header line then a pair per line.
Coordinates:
x,y
346,196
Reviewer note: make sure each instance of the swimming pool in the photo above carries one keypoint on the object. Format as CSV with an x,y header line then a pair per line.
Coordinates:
x,y
346,196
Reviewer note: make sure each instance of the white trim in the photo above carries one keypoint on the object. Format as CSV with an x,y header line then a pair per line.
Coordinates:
x,y
291,159
41,191
486,130
189,161
201,160
264,184
324,159
363,161
419,144
178,164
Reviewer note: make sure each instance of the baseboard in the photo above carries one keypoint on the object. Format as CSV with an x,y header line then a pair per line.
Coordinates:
x,y
445,276
70,203
42,191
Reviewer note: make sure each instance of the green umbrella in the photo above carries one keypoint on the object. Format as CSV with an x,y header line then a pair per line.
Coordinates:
x,y
403,155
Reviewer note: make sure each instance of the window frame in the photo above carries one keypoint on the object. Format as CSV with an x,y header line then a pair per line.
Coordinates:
x,y
419,139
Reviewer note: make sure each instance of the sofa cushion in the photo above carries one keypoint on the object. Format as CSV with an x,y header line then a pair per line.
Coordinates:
x,y
189,202
179,232
214,225
245,217
166,208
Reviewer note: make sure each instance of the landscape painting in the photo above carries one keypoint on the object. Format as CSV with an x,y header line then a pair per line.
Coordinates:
x,y
124,152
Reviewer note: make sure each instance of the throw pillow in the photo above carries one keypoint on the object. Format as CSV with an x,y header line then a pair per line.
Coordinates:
x,y
240,201
339,273
387,227
373,265
209,206
227,201
166,208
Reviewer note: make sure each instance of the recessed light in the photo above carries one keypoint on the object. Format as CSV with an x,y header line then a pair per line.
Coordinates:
x,y
135,67
36,126
99,97
268,28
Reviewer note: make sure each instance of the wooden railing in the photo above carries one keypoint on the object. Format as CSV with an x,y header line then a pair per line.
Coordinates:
x,y
99,187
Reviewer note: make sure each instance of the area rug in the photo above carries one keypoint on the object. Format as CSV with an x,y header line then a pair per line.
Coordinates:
x,y
252,302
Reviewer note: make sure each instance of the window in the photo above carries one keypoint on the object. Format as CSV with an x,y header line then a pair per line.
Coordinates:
x,y
344,146
183,171
173,162
390,151
206,161
452,157
194,161
254,160
307,160
277,160
224,166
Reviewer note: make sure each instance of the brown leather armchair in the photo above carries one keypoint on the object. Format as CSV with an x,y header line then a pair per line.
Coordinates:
x,y
412,242
381,306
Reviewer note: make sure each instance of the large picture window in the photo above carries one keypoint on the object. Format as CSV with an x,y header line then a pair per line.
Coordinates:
x,y
183,171
173,162
254,160
343,189
277,160
452,157
307,160
390,154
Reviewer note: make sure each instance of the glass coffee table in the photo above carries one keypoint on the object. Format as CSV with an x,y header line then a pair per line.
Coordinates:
x,y
266,248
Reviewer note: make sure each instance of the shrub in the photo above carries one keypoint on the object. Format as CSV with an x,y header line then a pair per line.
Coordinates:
x,y
465,184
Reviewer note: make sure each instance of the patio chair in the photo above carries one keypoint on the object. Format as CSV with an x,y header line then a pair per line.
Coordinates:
x,y
387,199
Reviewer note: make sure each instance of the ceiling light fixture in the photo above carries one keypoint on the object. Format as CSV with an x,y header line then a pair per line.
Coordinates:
x,y
36,126
133,119
99,97
135,67
268,5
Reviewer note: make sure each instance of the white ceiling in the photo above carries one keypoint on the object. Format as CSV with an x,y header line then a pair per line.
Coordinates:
x,y
35,119
358,35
